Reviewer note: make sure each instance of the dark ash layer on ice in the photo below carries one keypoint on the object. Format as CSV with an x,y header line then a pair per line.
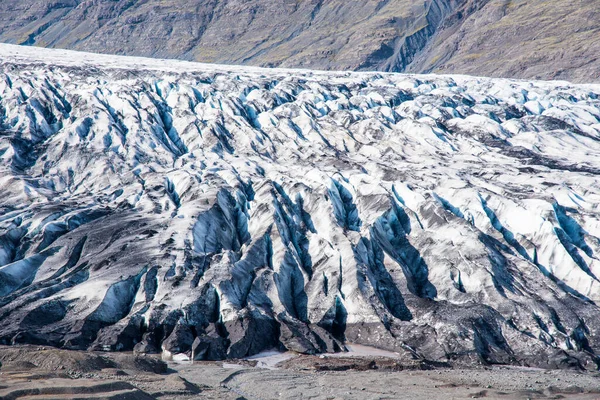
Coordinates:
x,y
216,212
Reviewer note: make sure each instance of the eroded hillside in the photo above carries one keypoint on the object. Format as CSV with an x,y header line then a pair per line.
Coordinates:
x,y
509,38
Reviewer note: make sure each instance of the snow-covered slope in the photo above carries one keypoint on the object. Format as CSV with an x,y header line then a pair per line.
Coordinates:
x,y
221,211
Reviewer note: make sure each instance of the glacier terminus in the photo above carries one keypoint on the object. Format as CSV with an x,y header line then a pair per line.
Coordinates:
x,y
211,212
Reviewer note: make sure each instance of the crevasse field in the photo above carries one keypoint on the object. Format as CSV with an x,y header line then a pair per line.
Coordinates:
x,y
211,212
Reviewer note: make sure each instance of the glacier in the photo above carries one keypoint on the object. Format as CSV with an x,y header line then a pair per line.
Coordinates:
x,y
211,212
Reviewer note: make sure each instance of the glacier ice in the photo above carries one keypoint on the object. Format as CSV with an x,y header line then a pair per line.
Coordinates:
x,y
209,211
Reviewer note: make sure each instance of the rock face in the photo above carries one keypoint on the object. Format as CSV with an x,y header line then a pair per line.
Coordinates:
x,y
210,212
519,38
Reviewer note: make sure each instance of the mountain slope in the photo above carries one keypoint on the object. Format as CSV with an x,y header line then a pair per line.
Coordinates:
x,y
218,211
509,38
331,34
533,39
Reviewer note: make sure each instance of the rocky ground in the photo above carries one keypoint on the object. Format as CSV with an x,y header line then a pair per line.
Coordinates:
x,y
31,372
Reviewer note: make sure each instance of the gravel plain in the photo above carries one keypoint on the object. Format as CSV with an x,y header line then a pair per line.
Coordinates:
x,y
30,372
